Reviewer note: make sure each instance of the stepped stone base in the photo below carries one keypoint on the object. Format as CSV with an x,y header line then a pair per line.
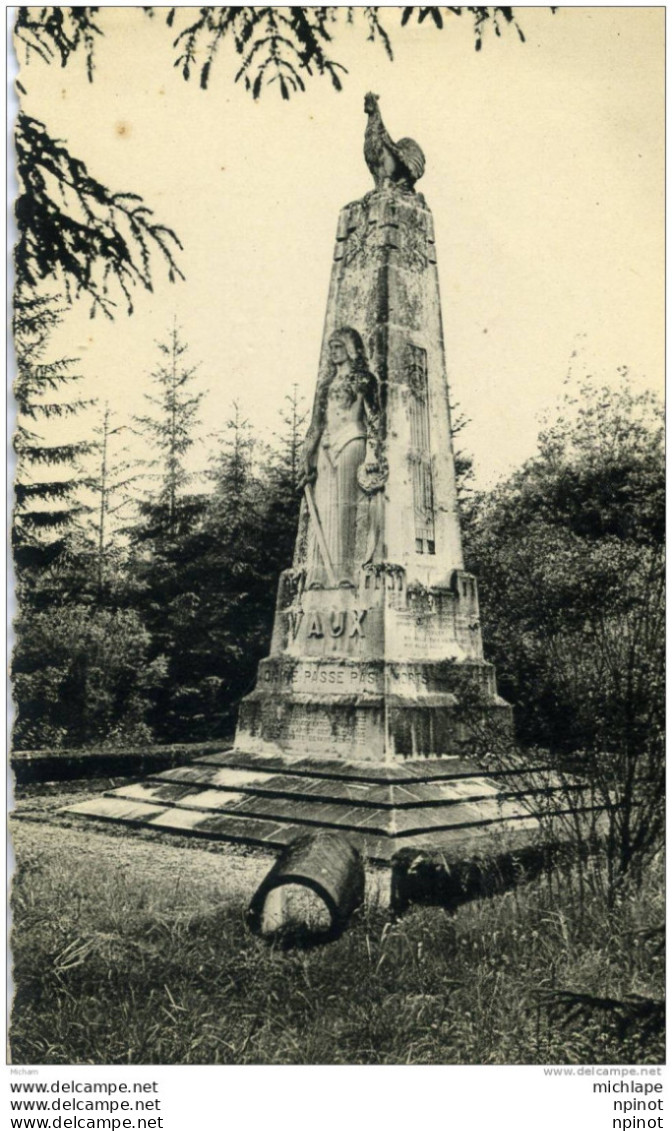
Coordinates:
x,y
442,803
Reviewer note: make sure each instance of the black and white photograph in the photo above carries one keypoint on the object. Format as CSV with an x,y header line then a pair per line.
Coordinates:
x,y
336,614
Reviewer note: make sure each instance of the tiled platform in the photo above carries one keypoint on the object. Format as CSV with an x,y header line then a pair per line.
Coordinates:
x,y
262,800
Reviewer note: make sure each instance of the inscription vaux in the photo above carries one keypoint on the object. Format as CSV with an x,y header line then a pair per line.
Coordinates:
x,y
338,622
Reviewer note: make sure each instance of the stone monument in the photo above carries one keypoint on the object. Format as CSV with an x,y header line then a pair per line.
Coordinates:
x,y
352,724
377,618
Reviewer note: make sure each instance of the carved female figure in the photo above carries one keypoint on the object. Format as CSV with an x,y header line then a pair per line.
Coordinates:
x,y
342,458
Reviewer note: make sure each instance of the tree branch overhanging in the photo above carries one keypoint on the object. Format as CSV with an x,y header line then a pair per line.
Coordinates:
x,y
274,44
74,230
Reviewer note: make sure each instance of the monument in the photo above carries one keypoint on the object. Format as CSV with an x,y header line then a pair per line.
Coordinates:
x,y
353,724
377,621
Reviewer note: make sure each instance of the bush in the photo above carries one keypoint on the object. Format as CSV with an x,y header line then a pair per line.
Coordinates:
x,y
81,677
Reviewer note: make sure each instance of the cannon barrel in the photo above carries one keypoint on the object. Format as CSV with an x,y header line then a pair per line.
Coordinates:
x,y
311,891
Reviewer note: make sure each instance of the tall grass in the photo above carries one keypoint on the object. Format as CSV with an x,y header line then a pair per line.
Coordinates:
x,y
112,968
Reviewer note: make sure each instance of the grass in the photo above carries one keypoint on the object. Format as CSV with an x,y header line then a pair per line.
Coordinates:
x,y
117,964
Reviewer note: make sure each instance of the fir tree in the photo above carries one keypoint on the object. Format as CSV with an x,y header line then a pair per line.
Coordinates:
x,y
283,470
114,475
48,472
286,463
229,627
162,539
232,564
208,606
169,429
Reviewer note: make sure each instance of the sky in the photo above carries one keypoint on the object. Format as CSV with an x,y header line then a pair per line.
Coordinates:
x,y
545,176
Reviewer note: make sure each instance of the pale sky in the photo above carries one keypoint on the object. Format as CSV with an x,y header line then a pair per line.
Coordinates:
x,y
545,175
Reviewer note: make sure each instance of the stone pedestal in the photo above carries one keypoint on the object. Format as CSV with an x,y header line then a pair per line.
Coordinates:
x,y
368,673
367,664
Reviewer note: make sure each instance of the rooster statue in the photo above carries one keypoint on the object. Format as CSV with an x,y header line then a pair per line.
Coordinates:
x,y
398,163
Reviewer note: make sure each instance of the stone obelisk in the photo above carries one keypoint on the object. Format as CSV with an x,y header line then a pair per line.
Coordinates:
x,y
355,724
377,622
